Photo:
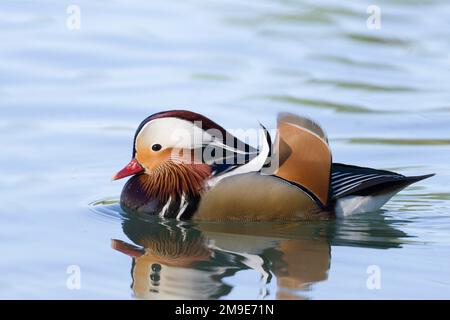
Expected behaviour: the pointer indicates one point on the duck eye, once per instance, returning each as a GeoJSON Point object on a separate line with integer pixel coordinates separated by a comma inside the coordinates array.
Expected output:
{"type": "Point", "coordinates": [156, 147]}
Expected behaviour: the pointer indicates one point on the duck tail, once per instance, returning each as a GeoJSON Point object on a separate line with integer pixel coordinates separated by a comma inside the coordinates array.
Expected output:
{"type": "Point", "coordinates": [358, 189]}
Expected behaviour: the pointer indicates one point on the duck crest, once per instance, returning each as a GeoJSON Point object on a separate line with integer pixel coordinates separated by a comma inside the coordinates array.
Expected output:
{"type": "Point", "coordinates": [172, 190]}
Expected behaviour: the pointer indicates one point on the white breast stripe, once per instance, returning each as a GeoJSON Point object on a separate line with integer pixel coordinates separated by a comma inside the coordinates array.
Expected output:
{"type": "Point", "coordinates": [183, 206]}
{"type": "Point", "coordinates": [165, 208]}
{"type": "Point", "coordinates": [220, 144]}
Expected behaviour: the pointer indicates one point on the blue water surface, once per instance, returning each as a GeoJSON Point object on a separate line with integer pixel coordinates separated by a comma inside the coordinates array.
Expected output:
{"type": "Point", "coordinates": [70, 100]}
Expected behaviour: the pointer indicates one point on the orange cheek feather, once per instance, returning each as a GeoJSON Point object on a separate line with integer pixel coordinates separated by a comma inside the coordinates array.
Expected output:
{"type": "Point", "coordinates": [151, 159]}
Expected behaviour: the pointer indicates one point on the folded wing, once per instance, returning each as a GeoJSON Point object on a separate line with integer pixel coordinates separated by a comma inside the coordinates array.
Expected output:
{"type": "Point", "coordinates": [303, 154]}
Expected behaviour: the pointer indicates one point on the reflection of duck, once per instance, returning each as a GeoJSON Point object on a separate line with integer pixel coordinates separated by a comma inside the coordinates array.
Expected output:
{"type": "Point", "coordinates": [174, 259]}
{"type": "Point", "coordinates": [186, 165]}
{"type": "Point", "coordinates": [168, 263]}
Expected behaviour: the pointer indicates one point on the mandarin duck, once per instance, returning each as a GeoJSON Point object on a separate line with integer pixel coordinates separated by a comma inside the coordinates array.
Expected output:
{"type": "Point", "coordinates": [186, 166]}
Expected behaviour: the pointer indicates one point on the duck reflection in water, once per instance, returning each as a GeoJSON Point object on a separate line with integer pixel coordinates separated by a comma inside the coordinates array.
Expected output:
{"type": "Point", "coordinates": [181, 260]}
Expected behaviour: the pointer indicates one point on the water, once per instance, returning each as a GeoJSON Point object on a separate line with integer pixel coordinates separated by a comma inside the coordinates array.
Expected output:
{"type": "Point", "coordinates": [70, 101]}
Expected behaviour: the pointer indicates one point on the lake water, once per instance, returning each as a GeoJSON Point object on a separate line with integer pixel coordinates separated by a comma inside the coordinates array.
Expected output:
{"type": "Point", "coordinates": [70, 101]}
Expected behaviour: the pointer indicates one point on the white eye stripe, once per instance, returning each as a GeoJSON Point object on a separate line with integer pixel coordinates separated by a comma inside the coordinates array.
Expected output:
{"type": "Point", "coordinates": [179, 133]}
{"type": "Point", "coordinates": [221, 145]}
{"type": "Point", "coordinates": [170, 133]}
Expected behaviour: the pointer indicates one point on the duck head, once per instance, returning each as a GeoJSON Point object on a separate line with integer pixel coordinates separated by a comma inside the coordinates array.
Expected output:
{"type": "Point", "coordinates": [175, 155]}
